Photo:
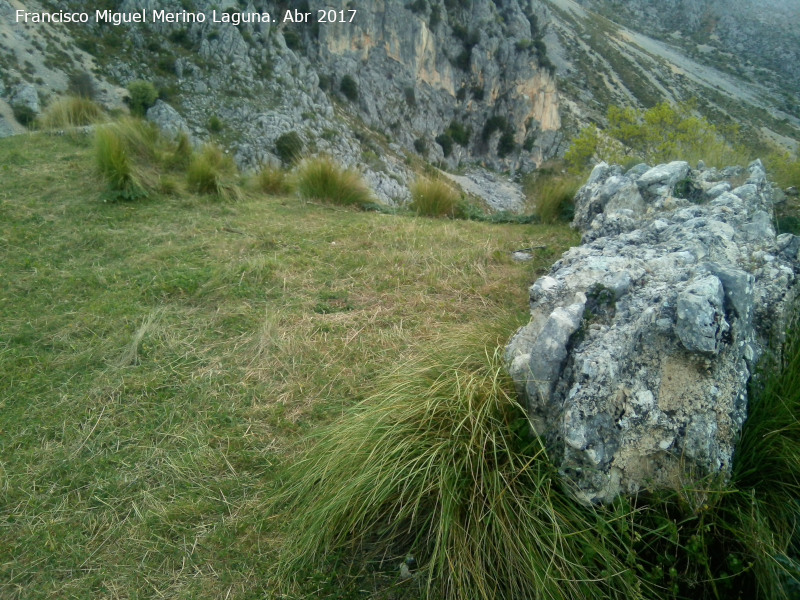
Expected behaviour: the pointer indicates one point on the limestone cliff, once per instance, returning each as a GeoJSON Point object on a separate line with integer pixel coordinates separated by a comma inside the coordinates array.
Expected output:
{"type": "Point", "coordinates": [450, 82]}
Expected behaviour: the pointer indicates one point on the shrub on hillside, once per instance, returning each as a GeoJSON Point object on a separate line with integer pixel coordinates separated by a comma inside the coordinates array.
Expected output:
{"type": "Point", "coordinates": [289, 147]}
{"type": "Point", "coordinates": [446, 143]}
{"type": "Point", "coordinates": [660, 134]}
{"type": "Point", "coordinates": [434, 198]}
{"type": "Point", "coordinates": [349, 88]}
{"type": "Point", "coordinates": [141, 96]}
{"type": "Point", "coordinates": [214, 124]}
{"type": "Point", "coordinates": [24, 115]}
{"type": "Point", "coordinates": [785, 168]}
{"type": "Point", "coordinates": [581, 151]}
{"type": "Point", "coordinates": [322, 179]}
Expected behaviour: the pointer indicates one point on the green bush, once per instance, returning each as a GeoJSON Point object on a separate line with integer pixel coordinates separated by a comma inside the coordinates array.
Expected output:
{"type": "Point", "coordinates": [439, 463]}
{"type": "Point", "coordinates": [214, 124]}
{"type": "Point", "coordinates": [784, 168]}
{"type": "Point", "coordinates": [434, 198]}
{"type": "Point", "coordinates": [349, 88]}
{"type": "Point", "coordinates": [141, 96]}
{"type": "Point", "coordinates": [660, 134]}
{"type": "Point", "coordinates": [24, 114]}
{"type": "Point", "coordinates": [668, 132]}
{"type": "Point", "coordinates": [289, 147]}
{"type": "Point", "coordinates": [322, 179]}
{"type": "Point", "coordinates": [211, 172]}
{"type": "Point", "coordinates": [73, 111]}
{"type": "Point", "coordinates": [446, 142]}
{"type": "Point", "coordinates": [582, 149]}
{"type": "Point", "coordinates": [410, 95]}
{"type": "Point", "coordinates": [81, 84]}
{"type": "Point", "coordinates": [492, 124]}
{"type": "Point", "coordinates": [506, 144]}
{"type": "Point", "coordinates": [459, 133]}
{"type": "Point", "coordinates": [292, 39]}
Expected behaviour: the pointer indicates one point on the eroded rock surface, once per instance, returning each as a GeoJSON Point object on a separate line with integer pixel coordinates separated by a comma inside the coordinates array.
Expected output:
{"type": "Point", "coordinates": [635, 363]}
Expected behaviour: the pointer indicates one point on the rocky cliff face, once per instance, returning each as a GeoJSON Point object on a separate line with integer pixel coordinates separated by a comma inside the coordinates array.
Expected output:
{"type": "Point", "coordinates": [450, 82]}
{"type": "Point", "coordinates": [434, 72]}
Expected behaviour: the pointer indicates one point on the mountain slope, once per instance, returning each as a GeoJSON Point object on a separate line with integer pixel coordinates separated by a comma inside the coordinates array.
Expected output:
{"type": "Point", "coordinates": [601, 62]}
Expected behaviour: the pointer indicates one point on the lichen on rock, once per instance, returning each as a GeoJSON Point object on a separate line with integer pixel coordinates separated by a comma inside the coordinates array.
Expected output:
{"type": "Point", "coordinates": [635, 364]}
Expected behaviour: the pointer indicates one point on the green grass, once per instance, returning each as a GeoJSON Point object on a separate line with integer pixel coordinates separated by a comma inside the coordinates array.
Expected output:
{"type": "Point", "coordinates": [115, 166]}
{"type": "Point", "coordinates": [212, 172]}
{"type": "Point", "coordinates": [438, 463]}
{"type": "Point", "coordinates": [177, 370]}
{"type": "Point", "coordinates": [322, 179]}
{"type": "Point", "coordinates": [163, 360]}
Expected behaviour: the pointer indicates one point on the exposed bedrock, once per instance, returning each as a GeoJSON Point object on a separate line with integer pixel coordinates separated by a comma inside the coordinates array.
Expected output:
{"type": "Point", "coordinates": [634, 366]}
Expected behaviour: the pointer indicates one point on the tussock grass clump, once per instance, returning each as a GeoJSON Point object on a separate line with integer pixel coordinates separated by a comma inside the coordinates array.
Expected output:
{"type": "Point", "coordinates": [135, 159]}
{"type": "Point", "coordinates": [73, 111]}
{"type": "Point", "coordinates": [439, 463]}
{"type": "Point", "coordinates": [142, 140]}
{"type": "Point", "coordinates": [550, 195]}
{"type": "Point", "coordinates": [434, 198]}
{"type": "Point", "coordinates": [273, 181]}
{"type": "Point", "coordinates": [182, 152]}
{"type": "Point", "coordinates": [322, 179]}
{"type": "Point", "coordinates": [211, 172]}
{"type": "Point", "coordinates": [115, 165]}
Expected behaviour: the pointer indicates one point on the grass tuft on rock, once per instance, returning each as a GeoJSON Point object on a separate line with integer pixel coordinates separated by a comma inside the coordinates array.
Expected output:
{"type": "Point", "coordinates": [322, 179]}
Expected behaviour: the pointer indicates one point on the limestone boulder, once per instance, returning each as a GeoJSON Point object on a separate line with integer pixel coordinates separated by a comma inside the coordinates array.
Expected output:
{"type": "Point", "coordinates": [642, 340]}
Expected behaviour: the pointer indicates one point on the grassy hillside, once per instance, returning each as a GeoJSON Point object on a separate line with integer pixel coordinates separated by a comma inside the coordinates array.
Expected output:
{"type": "Point", "coordinates": [162, 360]}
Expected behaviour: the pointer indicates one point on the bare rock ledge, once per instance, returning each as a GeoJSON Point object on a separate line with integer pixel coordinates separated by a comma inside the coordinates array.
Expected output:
{"type": "Point", "coordinates": [634, 366]}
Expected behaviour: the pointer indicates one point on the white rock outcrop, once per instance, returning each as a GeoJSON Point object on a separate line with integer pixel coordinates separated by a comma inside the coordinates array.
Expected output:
{"type": "Point", "coordinates": [642, 340]}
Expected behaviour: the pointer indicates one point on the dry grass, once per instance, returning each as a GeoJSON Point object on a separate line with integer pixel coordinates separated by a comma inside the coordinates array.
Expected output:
{"type": "Point", "coordinates": [434, 198]}
{"type": "Point", "coordinates": [320, 178]}
{"type": "Point", "coordinates": [70, 112]}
